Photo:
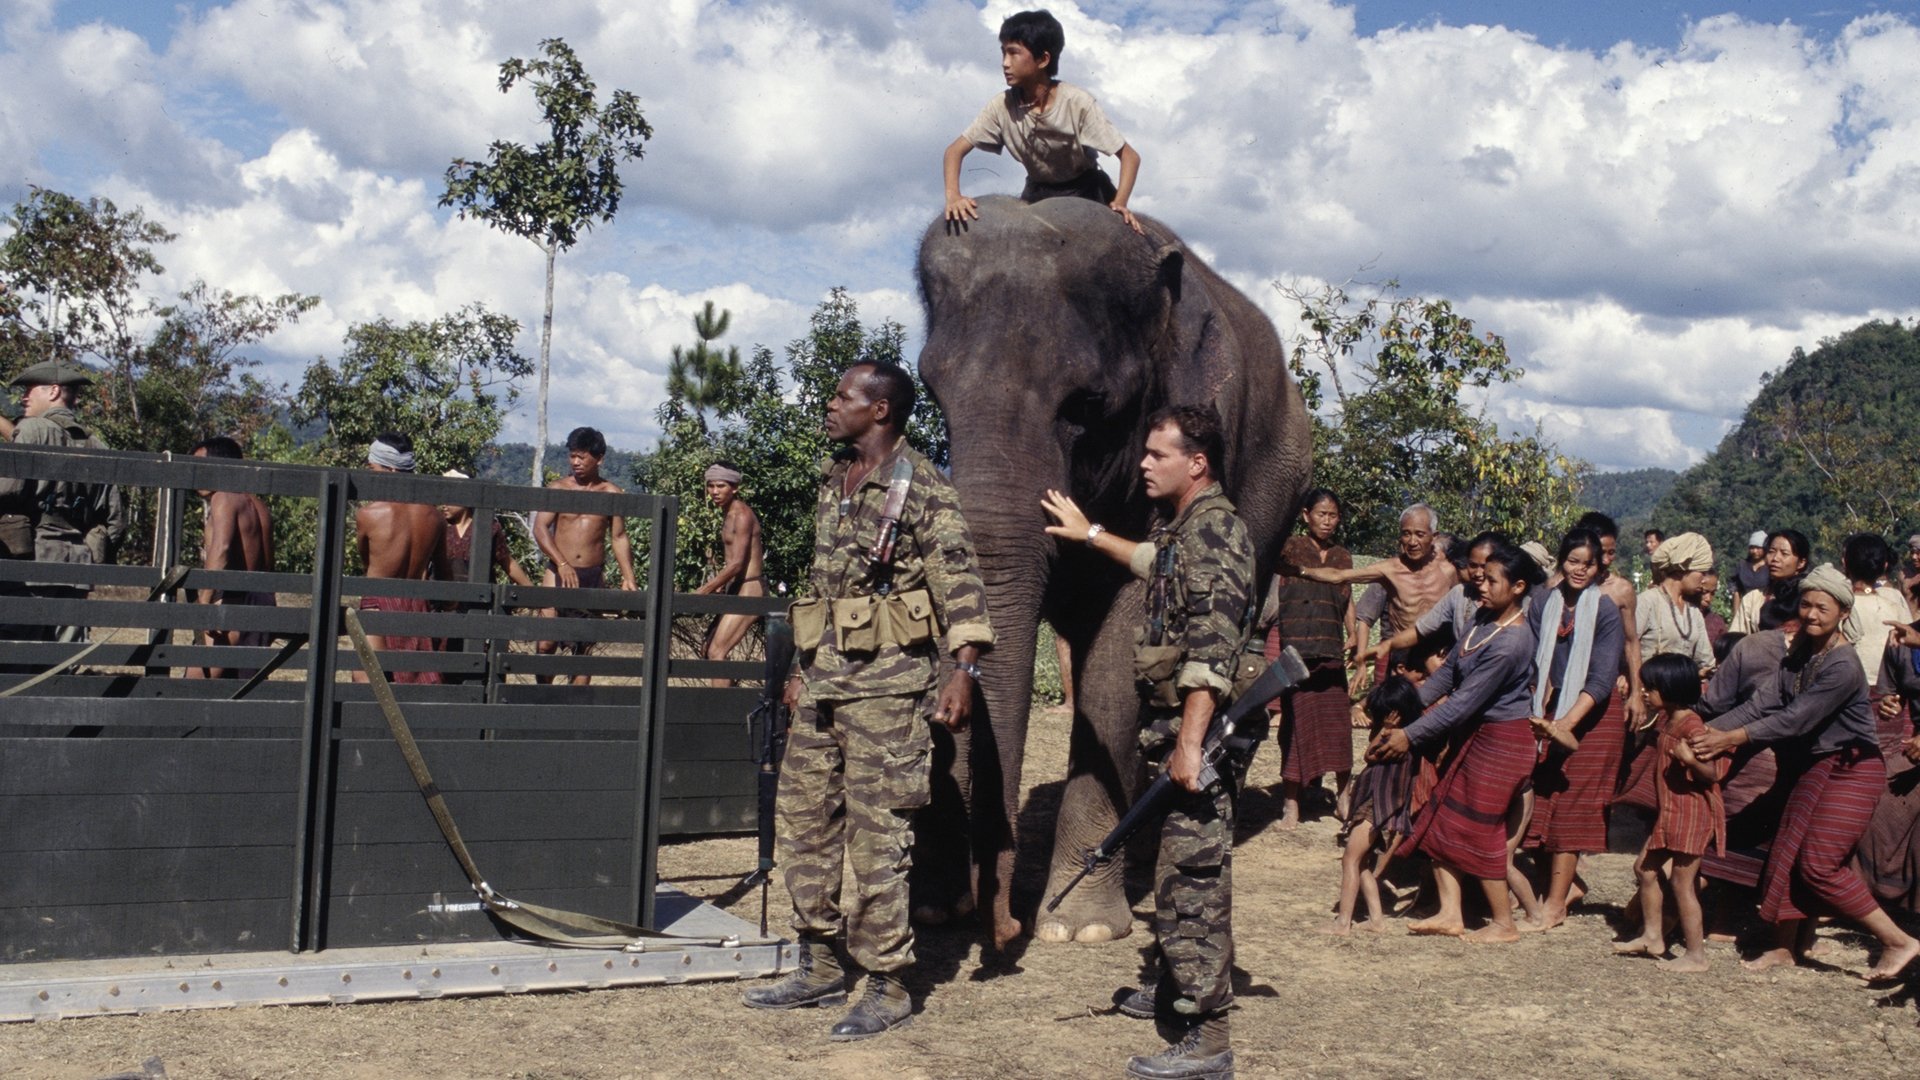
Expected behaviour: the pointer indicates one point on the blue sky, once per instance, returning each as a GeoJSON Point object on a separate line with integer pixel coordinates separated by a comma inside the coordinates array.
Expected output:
{"type": "Point", "coordinates": [1654, 203]}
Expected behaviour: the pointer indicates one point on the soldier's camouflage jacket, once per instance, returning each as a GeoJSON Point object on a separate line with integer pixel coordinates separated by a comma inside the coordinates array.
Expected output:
{"type": "Point", "coordinates": [1213, 562]}
{"type": "Point", "coordinates": [933, 561]}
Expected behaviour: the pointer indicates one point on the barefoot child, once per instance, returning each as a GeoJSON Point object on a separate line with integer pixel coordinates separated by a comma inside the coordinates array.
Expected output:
{"type": "Point", "coordinates": [1692, 817]}
{"type": "Point", "coordinates": [1055, 129]}
{"type": "Point", "coordinates": [1379, 816]}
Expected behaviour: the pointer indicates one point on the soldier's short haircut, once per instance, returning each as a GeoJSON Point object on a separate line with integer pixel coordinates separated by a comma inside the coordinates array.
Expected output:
{"type": "Point", "coordinates": [588, 440]}
{"type": "Point", "coordinates": [891, 383]}
{"type": "Point", "coordinates": [220, 446]}
{"type": "Point", "coordinates": [1199, 428]}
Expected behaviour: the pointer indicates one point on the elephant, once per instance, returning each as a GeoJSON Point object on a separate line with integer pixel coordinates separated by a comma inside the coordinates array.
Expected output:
{"type": "Point", "coordinates": [1052, 332]}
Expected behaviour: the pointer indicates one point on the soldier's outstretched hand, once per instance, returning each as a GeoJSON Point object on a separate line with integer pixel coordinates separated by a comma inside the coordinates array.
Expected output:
{"type": "Point", "coordinates": [1072, 525]}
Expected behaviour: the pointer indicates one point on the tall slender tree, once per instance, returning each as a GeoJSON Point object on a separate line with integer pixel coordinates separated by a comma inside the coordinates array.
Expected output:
{"type": "Point", "coordinates": [703, 377]}
{"type": "Point", "coordinates": [549, 193]}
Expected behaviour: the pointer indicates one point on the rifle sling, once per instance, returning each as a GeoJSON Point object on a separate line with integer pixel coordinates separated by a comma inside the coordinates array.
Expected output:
{"type": "Point", "coordinates": [168, 582]}
{"type": "Point", "coordinates": [551, 925]}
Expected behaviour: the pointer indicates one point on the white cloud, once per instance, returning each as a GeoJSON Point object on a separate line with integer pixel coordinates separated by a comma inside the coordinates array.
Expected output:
{"type": "Point", "coordinates": [1619, 216]}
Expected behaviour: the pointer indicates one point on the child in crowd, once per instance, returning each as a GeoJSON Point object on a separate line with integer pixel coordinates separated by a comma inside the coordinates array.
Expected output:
{"type": "Point", "coordinates": [1055, 129]}
{"type": "Point", "coordinates": [1378, 819]}
{"type": "Point", "coordinates": [1692, 816]}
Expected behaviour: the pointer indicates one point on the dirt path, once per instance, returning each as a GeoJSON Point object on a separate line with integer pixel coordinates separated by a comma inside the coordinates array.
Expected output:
{"type": "Point", "coordinates": [1554, 1005]}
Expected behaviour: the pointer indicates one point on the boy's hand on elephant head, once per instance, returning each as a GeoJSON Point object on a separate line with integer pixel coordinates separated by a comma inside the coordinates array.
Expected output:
{"type": "Point", "coordinates": [1126, 215]}
{"type": "Point", "coordinates": [1072, 525]}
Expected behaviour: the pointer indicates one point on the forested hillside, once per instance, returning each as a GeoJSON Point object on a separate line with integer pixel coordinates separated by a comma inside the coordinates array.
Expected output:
{"type": "Point", "coordinates": [1828, 446]}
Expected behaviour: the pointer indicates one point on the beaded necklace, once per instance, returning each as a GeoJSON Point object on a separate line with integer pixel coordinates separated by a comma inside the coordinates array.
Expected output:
{"type": "Point", "coordinates": [1468, 645]}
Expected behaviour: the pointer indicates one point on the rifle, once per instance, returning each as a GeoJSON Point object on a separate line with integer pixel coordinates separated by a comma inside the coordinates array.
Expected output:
{"type": "Point", "coordinates": [880, 559]}
{"type": "Point", "coordinates": [1281, 676]}
{"type": "Point", "coordinates": [767, 728]}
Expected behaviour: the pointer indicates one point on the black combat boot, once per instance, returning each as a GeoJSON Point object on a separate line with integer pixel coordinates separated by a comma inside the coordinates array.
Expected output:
{"type": "Point", "coordinates": [884, 1006]}
{"type": "Point", "coordinates": [1204, 1054]}
{"type": "Point", "coordinates": [819, 980]}
{"type": "Point", "coordinates": [1138, 1002]}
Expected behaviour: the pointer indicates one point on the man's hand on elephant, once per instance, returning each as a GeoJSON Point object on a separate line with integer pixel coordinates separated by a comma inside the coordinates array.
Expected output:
{"type": "Point", "coordinates": [961, 208]}
{"type": "Point", "coordinates": [1126, 215]}
{"type": "Point", "coordinates": [956, 702]}
{"type": "Point", "coordinates": [1073, 524]}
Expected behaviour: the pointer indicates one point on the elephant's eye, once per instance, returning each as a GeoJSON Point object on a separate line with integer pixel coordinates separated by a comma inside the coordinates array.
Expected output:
{"type": "Point", "coordinates": [1084, 408]}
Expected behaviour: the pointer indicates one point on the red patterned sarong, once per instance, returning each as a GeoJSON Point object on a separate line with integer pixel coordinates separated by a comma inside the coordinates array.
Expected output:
{"type": "Point", "coordinates": [1808, 867]}
{"type": "Point", "coordinates": [1692, 818]}
{"type": "Point", "coordinates": [402, 642]}
{"type": "Point", "coordinates": [1571, 791]}
{"type": "Point", "coordinates": [1316, 732]}
{"type": "Point", "coordinates": [1465, 824]}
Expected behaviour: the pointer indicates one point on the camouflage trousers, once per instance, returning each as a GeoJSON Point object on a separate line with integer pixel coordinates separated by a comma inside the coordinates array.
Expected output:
{"type": "Point", "coordinates": [1193, 900]}
{"type": "Point", "coordinates": [853, 774]}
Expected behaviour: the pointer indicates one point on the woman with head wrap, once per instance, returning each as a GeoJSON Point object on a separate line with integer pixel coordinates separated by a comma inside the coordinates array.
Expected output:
{"type": "Point", "coordinates": [1670, 617]}
{"type": "Point", "coordinates": [1815, 711]}
{"type": "Point", "coordinates": [1788, 556]}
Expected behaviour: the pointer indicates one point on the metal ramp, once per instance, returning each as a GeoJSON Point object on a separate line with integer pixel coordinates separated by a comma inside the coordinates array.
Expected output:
{"type": "Point", "coordinates": [59, 989]}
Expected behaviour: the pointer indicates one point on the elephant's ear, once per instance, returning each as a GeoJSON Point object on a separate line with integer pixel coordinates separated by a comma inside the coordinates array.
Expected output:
{"type": "Point", "coordinates": [1169, 266]}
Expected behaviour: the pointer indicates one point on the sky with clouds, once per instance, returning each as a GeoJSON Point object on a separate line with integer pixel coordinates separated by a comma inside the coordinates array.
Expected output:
{"type": "Point", "coordinates": [1653, 202]}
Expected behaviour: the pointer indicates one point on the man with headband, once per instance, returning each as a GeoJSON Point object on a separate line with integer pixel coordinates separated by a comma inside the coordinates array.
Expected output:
{"type": "Point", "coordinates": [741, 560]}
{"type": "Point", "coordinates": [397, 540]}
{"type": "Point", "coordinates": [576, 544]}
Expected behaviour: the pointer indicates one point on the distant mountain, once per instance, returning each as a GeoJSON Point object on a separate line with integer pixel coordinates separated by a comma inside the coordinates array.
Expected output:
{"type": "Point", "coordinates": [1629, 497]}
{"type": "Point", "coordinates": [509, 463]}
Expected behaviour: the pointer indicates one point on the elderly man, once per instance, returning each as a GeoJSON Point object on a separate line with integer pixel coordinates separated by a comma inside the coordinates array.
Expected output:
{"type": "Point", "coordinates": [1415, 579]}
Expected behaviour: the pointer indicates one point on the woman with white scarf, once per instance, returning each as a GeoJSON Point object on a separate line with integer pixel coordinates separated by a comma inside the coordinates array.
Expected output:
{"type": "Point", "coordinates": [1580, 641]}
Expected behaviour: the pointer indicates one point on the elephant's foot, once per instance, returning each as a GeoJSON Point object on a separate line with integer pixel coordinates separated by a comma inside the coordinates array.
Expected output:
{"type": "Point", "coordinates": [1092, 913]}
{"type": "Point", "coordinates": [936, 914]}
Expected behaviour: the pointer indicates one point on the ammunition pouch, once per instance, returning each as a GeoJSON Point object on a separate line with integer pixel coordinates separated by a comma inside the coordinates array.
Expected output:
{"type": "Point", "coordinates": [809, 620]}
{"type": "Point", "coordinates": [1153, 669]}
{"type": "Point", "coordinates": [861, 624]}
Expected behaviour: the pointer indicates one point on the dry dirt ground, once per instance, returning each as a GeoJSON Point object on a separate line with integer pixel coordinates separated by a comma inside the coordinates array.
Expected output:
{"type": "Point", "coordinates": [1310, 1005]}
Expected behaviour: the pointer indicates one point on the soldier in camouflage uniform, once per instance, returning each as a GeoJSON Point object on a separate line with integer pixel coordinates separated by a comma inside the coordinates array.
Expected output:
{"type": "Point", "coordinates": [1199, 571]}
{"type": "Point", "coordinates": [869, 639]}
{"type": "Point", "coordinates": [54, 521]}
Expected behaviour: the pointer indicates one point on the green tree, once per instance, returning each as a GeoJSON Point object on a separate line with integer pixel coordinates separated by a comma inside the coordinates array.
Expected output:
{"type": "Point", "coordinates": [1826, 446]}
{"type": "Point", "coordinates": [447, 384]}
{"type": "Point", "coordinates": [550, 192]}
{"type": "Point", "coordinates": [771, 429]}
{"type": "Point", "coordinates": [1401, 432]}
{"type": "Point", "coordinates": [703, 377]}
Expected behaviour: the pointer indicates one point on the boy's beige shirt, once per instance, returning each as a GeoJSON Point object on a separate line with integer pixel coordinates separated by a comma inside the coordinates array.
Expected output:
{"type": "Point", "coordinates": [1055, 145]}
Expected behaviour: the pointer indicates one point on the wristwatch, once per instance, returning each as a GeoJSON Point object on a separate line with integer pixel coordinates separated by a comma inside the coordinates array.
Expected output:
{"type": "Point", "coordinates": [972, 670]}
{"type": "Point", "coordinates": [1093, 533]}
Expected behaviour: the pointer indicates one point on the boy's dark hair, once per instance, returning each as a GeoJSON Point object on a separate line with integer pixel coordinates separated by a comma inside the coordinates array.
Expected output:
{"type": "Point", "coordinates": [1199, 428]}
{"type": "Point", "coordinates": [1867, 556]}
{"type": "Point", "coordinates": [1395, 696]}
{"type": "Point", "coordinates": [890, 382]}
{"type": "Point", "coordinates": [1039, 33]}
{"type": "Point", "coordinates": [588, 440]}
{"type": "Point", "coordinates": [1656, 534]}
{"type": "Point", "coordinates": [1674, 677]}
{"type": "Point", "coordinates": [400, 441]}
{"type": "Point", "coordinates": [220, 446]}
{"type": "Point", "coordinates": [1600, 524]}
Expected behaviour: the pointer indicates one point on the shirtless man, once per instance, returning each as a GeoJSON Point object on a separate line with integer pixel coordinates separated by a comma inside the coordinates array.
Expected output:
{"type": "Point", "coordinates": [397, 540]}
{"type": "Point", "coordinates": [239, 536]}
{"type": "Point", "coordinates": [1621, 592]}
{"type": "Point", "coordinates": [576, 544]}
{"type": "Point", "coordinates": [1415, 579]}
{"type": "Point", "coordinates": [742, 571]}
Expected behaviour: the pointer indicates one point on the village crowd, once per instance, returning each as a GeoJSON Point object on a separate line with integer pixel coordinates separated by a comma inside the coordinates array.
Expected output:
{"type": "Point", "coordinates": [1527, 704]}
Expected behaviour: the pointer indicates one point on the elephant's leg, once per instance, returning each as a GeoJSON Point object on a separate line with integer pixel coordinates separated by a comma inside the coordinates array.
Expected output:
{"type": "Point", "coordinates": [999, 738]}
{"type": "Point", "coordinates": [1103, 776]}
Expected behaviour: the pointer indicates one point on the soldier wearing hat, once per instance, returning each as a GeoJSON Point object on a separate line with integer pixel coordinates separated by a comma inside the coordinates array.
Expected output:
{"type": "Point", "coordinates": [57, 521]}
